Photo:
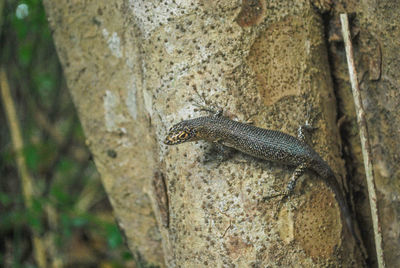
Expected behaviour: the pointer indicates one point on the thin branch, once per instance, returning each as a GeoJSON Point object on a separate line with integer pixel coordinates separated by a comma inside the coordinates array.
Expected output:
{"type": "Point", "coordinates": [26, 179]}
{"type": "Point", "coordinates": [52, 218]}
{"type": "Point", "coordinates": [42, 120]}
{"type": "Point", "coordinates": [365, 146]}
{"type": "Point", "coordinates": [89, 196]}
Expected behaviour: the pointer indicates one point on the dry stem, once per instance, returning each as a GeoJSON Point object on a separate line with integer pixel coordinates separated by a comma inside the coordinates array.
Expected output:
{"type": "Point", "coordinates": [365, 146]}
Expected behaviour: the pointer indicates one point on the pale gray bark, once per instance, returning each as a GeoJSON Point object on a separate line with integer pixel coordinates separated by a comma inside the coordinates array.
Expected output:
{"type": "Point", "coordinates": [134, 68]}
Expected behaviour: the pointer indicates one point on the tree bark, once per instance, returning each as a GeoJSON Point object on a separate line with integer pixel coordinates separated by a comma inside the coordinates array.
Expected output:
{"type": "Point", "coordinates": [136, 67]}
{"type": "Point", "coordinates": [376, 43]}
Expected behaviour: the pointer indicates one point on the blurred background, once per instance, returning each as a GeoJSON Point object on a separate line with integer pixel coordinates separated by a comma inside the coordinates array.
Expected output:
{"type": "Point", "coordinates": [53, 209]}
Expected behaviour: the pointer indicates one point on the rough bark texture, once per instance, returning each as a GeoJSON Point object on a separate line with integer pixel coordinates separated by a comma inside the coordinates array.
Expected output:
{"type": "Point", "coordinates": [98, 45]}
{"type": "Point", "coordinates": [134, 68]}
{"type": "Point", "coordinates": [376, 42]}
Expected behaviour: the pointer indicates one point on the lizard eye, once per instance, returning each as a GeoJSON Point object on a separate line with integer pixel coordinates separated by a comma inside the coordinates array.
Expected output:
{"type": "Point", "coordinates": [183, 135]}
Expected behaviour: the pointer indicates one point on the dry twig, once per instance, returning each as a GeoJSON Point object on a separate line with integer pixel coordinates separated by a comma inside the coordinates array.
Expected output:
{"type": "Point", "coordinates": [365, 146]}
{"type": "Point", "coordinates": [18, 145]}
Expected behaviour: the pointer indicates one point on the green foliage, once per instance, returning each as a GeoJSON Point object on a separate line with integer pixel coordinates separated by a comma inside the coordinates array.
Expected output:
{"type": "Point", "coordinates": [114, 237]}
{"type": "Point", "coordinates": [45, 83]}
{"type": "Point", "coordinates": [25, 52]}
{"type": "Point", "coordinates": [55, 155]}
{"type": "Point", "coordinates": [31, 157]}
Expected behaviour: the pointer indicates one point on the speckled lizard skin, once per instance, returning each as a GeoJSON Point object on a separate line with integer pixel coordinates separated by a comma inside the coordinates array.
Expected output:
{"type": "Point", "coordinates": [262, 143]}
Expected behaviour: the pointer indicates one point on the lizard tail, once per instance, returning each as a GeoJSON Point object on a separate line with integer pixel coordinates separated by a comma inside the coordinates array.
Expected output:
{"type": "Point", "coordinates": [343, 205]}
{"type": "Point", "coordinates": [323, 169]}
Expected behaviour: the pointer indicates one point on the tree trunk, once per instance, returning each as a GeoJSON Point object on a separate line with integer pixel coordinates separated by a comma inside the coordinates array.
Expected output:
{"type": "Point", "coordinates": [136, 67]}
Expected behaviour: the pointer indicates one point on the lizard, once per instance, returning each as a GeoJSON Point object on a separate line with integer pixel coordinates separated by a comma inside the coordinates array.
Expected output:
{"type": "Point", "coordinates": [266, 144]}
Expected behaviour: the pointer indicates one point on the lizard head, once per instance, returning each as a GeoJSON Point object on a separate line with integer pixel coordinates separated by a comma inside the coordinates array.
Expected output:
{"type": "Point", "coordinates": [181, 132]}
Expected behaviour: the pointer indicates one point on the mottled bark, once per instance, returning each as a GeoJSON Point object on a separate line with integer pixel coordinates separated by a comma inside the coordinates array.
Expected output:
{"type": "Point", "coordinates": [376, 36]}
{"type": "Point", "coordinates": [136, 67]}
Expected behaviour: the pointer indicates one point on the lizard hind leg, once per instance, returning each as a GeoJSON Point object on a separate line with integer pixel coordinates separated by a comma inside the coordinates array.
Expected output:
{"type": "Point", "coordinates": [292, 183]}
{"type": "Point", "coordinates": [303, 132]}
{"type": "Point", "coordinates": [296, 175]}
{"type": "Point", "coordinates": [290, 186]}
